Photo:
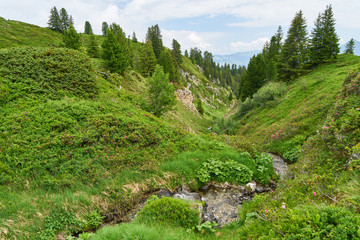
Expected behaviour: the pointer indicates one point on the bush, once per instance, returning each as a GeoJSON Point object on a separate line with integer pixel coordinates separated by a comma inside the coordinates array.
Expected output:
{"type": "Point", "coordinates": [48, 71]}
{"type": "Point", "coordinates": [264, 168]}
{"type": "Point", "coordinates": [166, 210]}
{"type": "Point", "coordinates": [323, 223]}
{"type": "Point", "coordinates": [262, 97]}
{"type": "Point", "coordinates": [230, 171]}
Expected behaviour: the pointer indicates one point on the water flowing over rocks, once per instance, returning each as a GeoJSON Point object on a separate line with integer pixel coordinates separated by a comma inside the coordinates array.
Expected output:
{"type": "Point", "coordinates": [221, 200]}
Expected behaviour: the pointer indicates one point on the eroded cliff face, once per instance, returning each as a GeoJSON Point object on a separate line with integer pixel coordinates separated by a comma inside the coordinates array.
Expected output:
{"type": "Point", "coordinates": [187, 98]}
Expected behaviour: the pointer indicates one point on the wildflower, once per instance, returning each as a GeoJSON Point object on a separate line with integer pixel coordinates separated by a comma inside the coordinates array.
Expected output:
{"type": "Point", "coordinates": [358, 109]}
{"type": "Point", "coordinates": [314, 193]}
{"type": "Point", "coordinates": [266, 210]}
{"type": "Point", "coordinates": [283, 206]}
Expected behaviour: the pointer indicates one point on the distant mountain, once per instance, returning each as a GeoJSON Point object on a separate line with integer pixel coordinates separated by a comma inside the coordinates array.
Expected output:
{"type": "Point", "coordinates": [356, 50]}
{"type": "Point", "coordinates": [240, 58]}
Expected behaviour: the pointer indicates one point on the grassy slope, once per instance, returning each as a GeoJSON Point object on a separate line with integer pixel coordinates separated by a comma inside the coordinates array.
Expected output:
{"type": "Point", "coordinates": [86, 173]}
{"type": "Point", "coordinates": [301, 111]}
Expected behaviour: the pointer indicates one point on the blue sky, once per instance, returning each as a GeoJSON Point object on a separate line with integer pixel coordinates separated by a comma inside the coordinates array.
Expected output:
{"type": "Point", "coordinates": [219, 26]}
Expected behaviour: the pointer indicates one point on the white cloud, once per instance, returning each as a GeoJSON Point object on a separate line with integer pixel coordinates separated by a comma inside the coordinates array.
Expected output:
{"type": "Point", "coordinates": [240, 46]}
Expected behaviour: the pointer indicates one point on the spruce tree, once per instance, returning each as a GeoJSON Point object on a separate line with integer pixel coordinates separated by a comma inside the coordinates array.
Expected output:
{"type": "Point", "coordinates": [92, 47]}
{"type": "Point", "coordinates": [199, 107]}
{"type": "Point", "coordinates": [324, 42]}
{"type": "Point", "coordinates": [167, 62]}
{"type": "Point", "coordinates": [295, 53]}
{"type": "Point", "coordinates": [116, 53]}
{"type": "Point", "coordinates": [54, 22]}
{"type": "Point", "coordinates": [154, 36]}
{"type": "Point", "coordinates": [64, 20]}
{"type": "Point", "coordinates": [176, 51]}
{"type": "Point", "coordinates": [104, 28]}
{"type": "Point", "coordinates": [71, 20]}
{"type": "Point", "coordinates": [72, 39]}
{"type": "Point", "coordinates": [161, 92]}
{"type": "Point", "coordinates": [134, 39]}
{"type": "Point", "coordinates": [186, 54]}
{"type": "Point", "coordinates": [88, 28]}
{"type": "Point", "coordinates": [147, 60]}
{"type": "Point", "coordinates": [350, 46]}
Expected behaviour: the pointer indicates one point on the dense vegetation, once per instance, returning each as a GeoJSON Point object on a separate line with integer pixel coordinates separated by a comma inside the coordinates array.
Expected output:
{"type": "Point", "coordinates": [81, 140]}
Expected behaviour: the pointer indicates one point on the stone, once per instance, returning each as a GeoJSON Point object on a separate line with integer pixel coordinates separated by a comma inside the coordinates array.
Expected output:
{"type": "Point", "coordinates": [251, 186]}
{"type": "Point", "coordinates": [165, 193]}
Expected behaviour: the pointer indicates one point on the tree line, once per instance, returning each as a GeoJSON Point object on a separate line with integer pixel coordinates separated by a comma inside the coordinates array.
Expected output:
{"type": "Point", "coordinates": [296, 55]}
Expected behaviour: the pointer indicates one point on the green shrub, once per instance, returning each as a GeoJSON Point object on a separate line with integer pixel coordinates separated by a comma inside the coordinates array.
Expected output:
{"type": "Point", "coordinates": [221, 171]}
{"type": "Point", "coordinates": [264, 168]}
{"type": "Point", "coordinates": [166, 210]}
{"type": "Point", "coordinates": [320, 223]}
{"type": "Point", "coordinates": [262, 97]}
{"type": "Point", "coordinates": [54, 71]}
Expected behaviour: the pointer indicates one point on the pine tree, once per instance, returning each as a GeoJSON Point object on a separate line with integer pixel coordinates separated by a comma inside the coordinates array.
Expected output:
{"type": "Point", "coordinates": [147, 60]}
{"type": "Point", "coordinates": [104, 28]}
{"type": "Point", "coordinates": [350, 46]}
{"type": "Point", "coordinates": [295, 53]}
{"type": "Point", "coordinates": [64, 20]}
{"type": "Point", "coordinates": [88, 28]}
{"type": "Point", "coordinates": [176, 51]}
{"type": "Point", "coordinates": [116, 53]}
{"type": "Point", "coordinates": [161, 92]}
{"type": "Point", "coordinates": [72, 39]}
{"type": "Point", "coordinates": [154, 36]}
{"type": "Point", "coordinates": [92, 47]}
{"type": "Point", "coordinates": [134, 39]}
{"type": "Point", "coordinates": [256, 75]}
{"type": "Point", "coordinates": [54, 20]}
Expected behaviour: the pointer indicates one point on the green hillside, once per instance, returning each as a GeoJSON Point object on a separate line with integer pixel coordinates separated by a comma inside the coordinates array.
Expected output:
{"type": "Point", "coordinates": [78, 148]}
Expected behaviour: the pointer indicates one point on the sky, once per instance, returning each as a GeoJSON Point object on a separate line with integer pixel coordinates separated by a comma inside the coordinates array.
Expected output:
{"type": "Point", "coordinates": [219, 26]}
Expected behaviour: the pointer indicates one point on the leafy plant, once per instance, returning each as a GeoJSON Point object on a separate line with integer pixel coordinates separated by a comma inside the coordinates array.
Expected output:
{"type": "Point", "coordinates": [207, 227]}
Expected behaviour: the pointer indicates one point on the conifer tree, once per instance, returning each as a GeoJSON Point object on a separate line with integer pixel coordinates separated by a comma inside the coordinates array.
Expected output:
{"type": "Point", "coordinates": [186, 53]}
{"type": "Point", "coordinates": [54, 22]}
{"type": "Point", "coordinates": [255, 76]}
{"type": "Point", "coordinates": [295, 53]}
{"type": "Point", "coordinates": [147, 60]}
{"type": "Point", "coordinates": [116, 53]}
{"type": "Point", "coordinates": [350, 46]}
{"type": "Point", "coordinates": [324, 42]}
{"type": "Point", "coordinates": [72, 39]}
{"type": "Point", "coordinates": [104, 28]}
{"type": "Point", "coordinates": [176, 51]}
{"type": "Point", "coordinates": [88, 28]}
{"type": "Point", "coordinates": [92, 47]}
{"type": "Point", "coordinates": [71, 20]}
{"type": "Point", "coordinates": [134, 39]}
{"type": "Point", "coordinates": [167, 62]}
{"type": "Point", "coordinates": [161, 92]}
{"type": "Point", "coordinates": [154, 36]}
{"type": "Point", "coordinates": [64, 19]}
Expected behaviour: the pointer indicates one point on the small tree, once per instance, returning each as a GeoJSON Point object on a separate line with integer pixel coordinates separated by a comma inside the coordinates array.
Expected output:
{"type": "Point", "coordinates": [176, 51]}
{"type": "Point", "coordinates": [147, 60]}
{"type": "Point", "coordinates": [161, 92]}
{"type": "Point", "coordinates": [199, 107]}
{"type": "Point", "coordinates": [350, 46]}
{"type": "Point", "coordinates": [88, 28]}
{"type": "Point", "coordinates": [104, 28]}
{"type": "Point", "coordinates": [134, 39]}
{"type": "Point", "coordinates": [72, 39]}
{"type": "Point", "coordinates": [92, 47]}
{"type": "Point", "coordinates": [115, 50]}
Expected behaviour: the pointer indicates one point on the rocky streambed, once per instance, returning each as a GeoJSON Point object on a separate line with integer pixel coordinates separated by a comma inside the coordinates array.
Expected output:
{"type": "Point", "coordinates": [221, 200]}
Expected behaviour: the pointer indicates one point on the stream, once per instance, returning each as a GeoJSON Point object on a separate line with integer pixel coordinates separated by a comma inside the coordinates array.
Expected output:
{"type": "Point", "coordinates": [222, 200]}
